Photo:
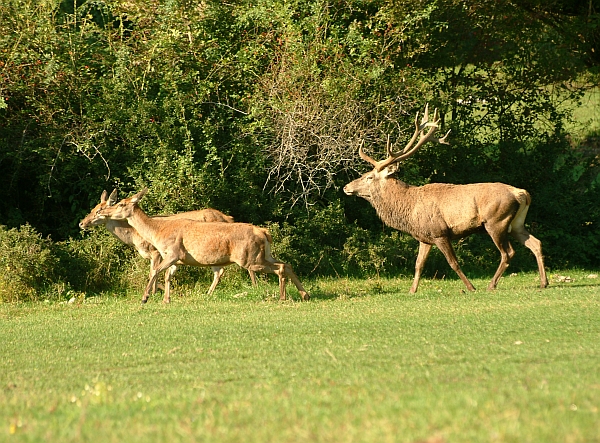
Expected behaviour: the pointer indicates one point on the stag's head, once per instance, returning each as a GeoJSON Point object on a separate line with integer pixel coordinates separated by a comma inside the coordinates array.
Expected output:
{"type": "Point", "coordinates": [365, 185]}
{"type": "Point", "coordinates": [124, 209]}
{"type": "Point", "coordinates": [93, 219]}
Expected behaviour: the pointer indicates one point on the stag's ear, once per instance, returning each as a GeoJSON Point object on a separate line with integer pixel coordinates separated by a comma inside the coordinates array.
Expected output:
{"type": "Point", "coordinates": [113, 198]}
{"type": "Point", "coordinates": [137, 197]}
{"type": "Point", "coordinates": [103, 196]}
{"type": "Point", "coordinates": [390, 170]}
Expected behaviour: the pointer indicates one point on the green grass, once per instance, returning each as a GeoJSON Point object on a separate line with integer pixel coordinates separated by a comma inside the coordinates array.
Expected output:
{"type": "Point", "coordinates": [586, 117]}
{"type": "Point", "coordinates": [361, 362]}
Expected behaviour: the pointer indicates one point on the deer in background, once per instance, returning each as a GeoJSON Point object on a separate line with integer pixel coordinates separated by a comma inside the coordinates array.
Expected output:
{"type": "Point", "coordinates": [128, 235]}
{"type": "Point", "coordinates": [195, 243]}
{"type": "Point", "coordinates": [437, 213]}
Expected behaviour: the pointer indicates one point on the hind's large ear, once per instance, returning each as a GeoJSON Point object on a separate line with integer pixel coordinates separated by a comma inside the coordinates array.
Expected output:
{"type": "Point", "coordinates": [113, 198]}
{"type": "Point", "coordinates": [137, 197]}
{"type": "Point", "coordinates": [103, 196]}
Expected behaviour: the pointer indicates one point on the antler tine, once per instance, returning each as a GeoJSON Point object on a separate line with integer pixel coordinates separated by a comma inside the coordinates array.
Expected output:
{"type": "Point", "coordinates": [419, 128]}
{"type": "Point", "coordinates": [424, 137]}
{"type": "Point", "coordinates": [388, 146]}
{"type": "Point", "coordinates": [442, 140]}
{"type": "Point", "coordinates": [413, 139]}
{"type": "Point", "coordinates": [364, 156]}
{"type": "Point", "coordinates": [425, 118]}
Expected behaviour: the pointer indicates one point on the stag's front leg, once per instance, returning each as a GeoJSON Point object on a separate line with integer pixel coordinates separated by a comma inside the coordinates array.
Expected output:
{"type": "Point", "coordinates": [252, 277]}
{"type": "Point", "coordinates": [446, 247]}
{"type": "Point", "coordinates": [424, 249]}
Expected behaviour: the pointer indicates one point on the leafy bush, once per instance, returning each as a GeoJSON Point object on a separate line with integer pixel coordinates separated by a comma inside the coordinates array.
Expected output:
{"type": "Point", "coordinates": [98, 262]}
{"type": "Point", "coordinates": [388, 253]}
{"type": "Point", "coordinates": [28, 262]}
{"type": "Point", "coordinates": [313, 243]}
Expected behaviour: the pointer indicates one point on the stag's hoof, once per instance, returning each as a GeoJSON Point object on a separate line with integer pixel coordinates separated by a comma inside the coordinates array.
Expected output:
{"type": "Point", "coordinates": [305, 297]}
{"type": "Point", "coordinates": [144, 301]}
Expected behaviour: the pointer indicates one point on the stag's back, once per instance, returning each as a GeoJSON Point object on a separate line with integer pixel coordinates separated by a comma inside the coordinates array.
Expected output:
{"type": "Point", "coordinates": [440, 209]}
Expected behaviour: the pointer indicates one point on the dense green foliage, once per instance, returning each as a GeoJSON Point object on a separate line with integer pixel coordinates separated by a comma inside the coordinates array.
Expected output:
{"type": "Point", "coordinates": [257, 109]}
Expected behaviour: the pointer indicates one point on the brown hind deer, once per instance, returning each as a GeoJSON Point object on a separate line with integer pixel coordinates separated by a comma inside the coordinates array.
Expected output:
{"type": "Point", "coordinates": [437, 213]}
{"type": "Point", "coordinates": [124, 232]}
{"type": "Point", "coordinates": [195, 243]}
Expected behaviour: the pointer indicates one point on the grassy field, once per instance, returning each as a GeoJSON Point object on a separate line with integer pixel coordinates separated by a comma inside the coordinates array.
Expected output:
{"type": "Point", "coordinates": [363, 361]}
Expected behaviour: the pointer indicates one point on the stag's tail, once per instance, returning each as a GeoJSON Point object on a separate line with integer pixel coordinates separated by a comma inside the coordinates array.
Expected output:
{"type": "Point", "coordinates": [524, 199]}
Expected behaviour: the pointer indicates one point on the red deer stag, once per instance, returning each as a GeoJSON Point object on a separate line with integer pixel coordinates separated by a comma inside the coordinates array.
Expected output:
{"type": "Point", "coordinates": [195, 243]}
{"type": "Point", "coordinates": [437, 213]}
{"type": "Point", "coordinates": [124, 232]}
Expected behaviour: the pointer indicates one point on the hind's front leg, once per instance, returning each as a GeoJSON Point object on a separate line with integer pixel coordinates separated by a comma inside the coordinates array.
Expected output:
{"type": "Point", "coordinates": [166, 263]}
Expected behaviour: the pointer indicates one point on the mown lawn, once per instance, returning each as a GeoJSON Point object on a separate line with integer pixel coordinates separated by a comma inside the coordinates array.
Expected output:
{"type": "Point", "coordinates": [363, 361]}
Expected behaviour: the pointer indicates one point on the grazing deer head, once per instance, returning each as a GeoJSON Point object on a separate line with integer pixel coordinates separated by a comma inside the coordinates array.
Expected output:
{"type": "Point", "coordinates": [92, 218]}
{"type": "Point", "coordinates": [437, 213]}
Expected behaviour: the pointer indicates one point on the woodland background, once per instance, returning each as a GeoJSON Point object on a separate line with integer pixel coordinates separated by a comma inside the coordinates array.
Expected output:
{"type": "Point", "coordinates": [257, 108]}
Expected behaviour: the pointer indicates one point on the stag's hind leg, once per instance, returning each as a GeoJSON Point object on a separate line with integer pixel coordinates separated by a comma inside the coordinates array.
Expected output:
{"type": "Point", "coordinates": [519, 232]}
{"type": "Point", "coordinates": [500, 238]}
{"type": "Point", "coordinates": [535, 246]}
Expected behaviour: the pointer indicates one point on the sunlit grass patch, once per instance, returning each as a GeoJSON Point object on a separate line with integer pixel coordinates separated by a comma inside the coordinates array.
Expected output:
{"type": "Point", "coordinates": [362, 361]}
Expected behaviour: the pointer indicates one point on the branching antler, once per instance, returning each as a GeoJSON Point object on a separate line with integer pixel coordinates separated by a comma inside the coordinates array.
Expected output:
{"type": "Point", "coordinates": [409, 149]}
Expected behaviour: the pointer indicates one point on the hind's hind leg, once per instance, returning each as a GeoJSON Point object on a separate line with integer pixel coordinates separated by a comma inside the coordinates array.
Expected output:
{"type": "Point", "coordinates": [289, 272]}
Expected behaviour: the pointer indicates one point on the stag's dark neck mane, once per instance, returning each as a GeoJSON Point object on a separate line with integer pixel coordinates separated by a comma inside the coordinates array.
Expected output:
{"type": "Point", "coordinates": [393, 202]}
